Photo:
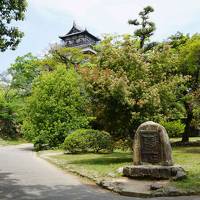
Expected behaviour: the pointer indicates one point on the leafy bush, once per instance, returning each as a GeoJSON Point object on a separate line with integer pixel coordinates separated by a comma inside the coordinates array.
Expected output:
{"type": "Point", "coordinates": [8, 127]}
{"type": "Point", "coordinates": [128, 87]}
{"type": "Point", "coordinates": [40, 143]}
{"type": "Point", "coordinates": [55, 107]}
{"type": "Point", "coordinates": [88, 140]}
{"type": "Point", "coordinates": [174, 128]}
{"type": "Point", "coordinates": [124, 145]}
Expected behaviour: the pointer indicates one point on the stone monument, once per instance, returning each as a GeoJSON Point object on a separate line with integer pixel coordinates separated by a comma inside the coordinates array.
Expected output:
{"type": "Point", "coordinates": [153, 154]}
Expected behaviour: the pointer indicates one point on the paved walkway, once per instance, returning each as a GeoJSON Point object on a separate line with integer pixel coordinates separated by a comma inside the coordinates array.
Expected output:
{"type": "Point", "coordinates": [24, 176]}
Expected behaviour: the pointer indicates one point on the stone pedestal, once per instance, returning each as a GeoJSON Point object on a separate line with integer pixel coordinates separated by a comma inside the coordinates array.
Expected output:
{"type": "Point", "coordinates": [152, 154]}
{"type": "Point", "coordinates": [154, 172]}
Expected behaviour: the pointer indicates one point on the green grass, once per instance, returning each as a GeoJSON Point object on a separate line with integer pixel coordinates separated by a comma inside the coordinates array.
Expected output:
{"type": "Point", "coordinates": [192, 139]}
{"type": "Point", "coordinates": [6, 142]}
{"type": "Point", "coordinates": [189, 159]}
{"type": "Point", "coordinates": [94, 166]}
{"type": "Point", "coordinates": [101, 166]}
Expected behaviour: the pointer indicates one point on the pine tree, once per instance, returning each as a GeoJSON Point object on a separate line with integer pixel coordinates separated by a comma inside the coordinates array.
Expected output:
{"type": "Point", "coordinates": [147, 27]}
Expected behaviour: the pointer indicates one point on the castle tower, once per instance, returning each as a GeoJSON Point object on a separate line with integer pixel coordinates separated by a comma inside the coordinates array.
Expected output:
{"type": "Point", "coordinates": [80, 38]}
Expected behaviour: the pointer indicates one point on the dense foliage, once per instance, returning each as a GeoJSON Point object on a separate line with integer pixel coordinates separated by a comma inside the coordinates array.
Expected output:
{"type": "Point", "coordinates": [23, 72]}
{"type": "Point", "coordinates": [88, 140]}
{"type": "Point", "coordinates": [11, 11]}
{"type": "Point", "coordinates": [129, 87]}
{"type": "Point", "coordinates": [56, 107]}
{"type": "Point", "coordinates": [129, 81]}
{"type": "Point", "coordinates": [174, 129]}
{"type": "Point", "coordinates": [119, 88]}
{"type": "Point", "coordinates": [189, 55]}
{"type": "Point", "coordinates": [8, 128]}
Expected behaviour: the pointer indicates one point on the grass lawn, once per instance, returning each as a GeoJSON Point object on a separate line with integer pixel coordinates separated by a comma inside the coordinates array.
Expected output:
{"type": "Point", "coordinates": [4, 142]}
{"type": "Point", "coordinates": [94, 166]}
{"type": "Point", "coordinates": [192, 139]}
{"type": "Point", "coordinates": [101, 166]}
{"type": "Point", "coordinates": [189, 158]}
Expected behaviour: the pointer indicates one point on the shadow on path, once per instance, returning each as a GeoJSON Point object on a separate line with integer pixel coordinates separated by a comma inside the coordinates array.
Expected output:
{"type": "Point", "coordinates": [26, 148]}
{"type": "Point", "coordinates": [10, 189]}
{"type": "Point", "coordinates": [23, 177]}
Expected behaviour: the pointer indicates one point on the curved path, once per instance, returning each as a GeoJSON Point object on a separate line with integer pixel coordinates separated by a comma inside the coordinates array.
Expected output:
{"type": "Point", "coordinates": [24, 176]}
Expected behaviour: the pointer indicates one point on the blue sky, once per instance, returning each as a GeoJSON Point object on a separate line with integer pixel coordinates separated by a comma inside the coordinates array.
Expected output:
{"type": "Point", "coordinates": [48, 19]}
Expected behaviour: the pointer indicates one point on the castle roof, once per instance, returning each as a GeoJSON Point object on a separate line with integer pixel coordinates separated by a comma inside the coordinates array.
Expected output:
{"type": "Point", "coordinates": [76, 30]}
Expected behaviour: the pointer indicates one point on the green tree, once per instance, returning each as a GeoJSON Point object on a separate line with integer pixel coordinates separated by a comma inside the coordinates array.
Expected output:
{"type": "Point", "coordinates": [8, 127]}
{"type": "Point", "coordinates": [23, 72]}
{"type": "Point", "coordinates": [164, 63]}
{"type": "Point", "coordinates": [109, 101]}
{"type": "Point", "coordinates": [70, 57]}
{"type": "Point", "coordinates": [10, 11]}
{"type": "Point", "coordinates": [178, 39]}
{"type": "Point", "coordinates": [55, 107]}
{"type": "Point", "coordinates": [146, 29]}
{"type": "Point", "coordinates": [121, 54]}
{"type": "Point", "coordinates": [190, 66]}
{"type": "Point", "coordinates": [129, 87]}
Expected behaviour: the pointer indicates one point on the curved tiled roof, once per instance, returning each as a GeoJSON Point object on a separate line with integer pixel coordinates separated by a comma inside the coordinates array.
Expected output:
{"type": "Point", "coordinates": [75, 30]}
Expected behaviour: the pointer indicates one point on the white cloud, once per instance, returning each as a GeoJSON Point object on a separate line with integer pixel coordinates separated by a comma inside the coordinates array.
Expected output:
{"type": "Point", "coordinates": [46, 19]}
{"type": "Point", "coordinates": [112, 15]}
{"type": "Point", "coordinates": [76, 8]}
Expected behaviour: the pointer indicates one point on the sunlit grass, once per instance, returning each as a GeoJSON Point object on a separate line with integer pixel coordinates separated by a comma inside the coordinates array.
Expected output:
{"type": "Point", "coordinates": [189, 159]}
{"type": "Point", "coordinates": [101, 166]}
{"type": "Point", "coordinates": [95, 166]}
{"type": "Point", "coordinates": [191, 139]}
{"type": "Point", "coordinates": [6, 142]}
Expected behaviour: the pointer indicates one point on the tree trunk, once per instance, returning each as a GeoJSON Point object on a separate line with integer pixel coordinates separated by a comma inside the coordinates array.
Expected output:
{"type": "Point", "coordinates": [188, 120]}
{"type": "Point", "coordinates": [142, 39]}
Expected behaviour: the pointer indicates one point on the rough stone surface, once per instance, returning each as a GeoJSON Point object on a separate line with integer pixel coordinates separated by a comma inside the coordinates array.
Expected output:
{"type": "Point", "coordinates": [172, 191]}
{"type": "Point", "coordinates": [128, 187]}
{"type": "Point", "coordinates": [120, 170]}
{"type": "Point", "coordinates": [152, 145]}
{"type": "Point", "coordinates": [141, 188]}
{"type": "Point", "coordinates": [156, 186]}
{"type": "Point", "coordinates": [145, 188]}
{"type": "Point", "coordinates": [112, 175]}
{"type": "Point", "coordinates": [152, 155]}
{"type": "Point", "coordinates": [154, 172]}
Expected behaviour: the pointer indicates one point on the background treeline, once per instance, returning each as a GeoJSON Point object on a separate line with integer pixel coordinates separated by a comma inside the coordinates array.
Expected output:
{"type": "Point", "coordinates": [129, 81]}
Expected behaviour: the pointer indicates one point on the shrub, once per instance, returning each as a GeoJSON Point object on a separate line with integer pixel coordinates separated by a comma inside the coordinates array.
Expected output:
{"type": "Point", "coordinates": [40, 143]}
{"type": "Point", "coordinates": [88, 140]}
{"type": "Point", "coordinates": [174, 128]}
{"type": "Point", "coordinates": [56, 106]}
{"type": "Point", "coordinates": [8, 127]}
{"type": "Point", "coordinates": [124, 145]}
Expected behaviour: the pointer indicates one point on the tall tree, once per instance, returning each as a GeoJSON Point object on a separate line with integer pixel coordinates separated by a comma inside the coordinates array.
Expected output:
{"type": "Point", "coordinates": [178, 39]}
{"type": "Point", "coordinates": [7, 113]}
{"type": "Point", "coordinates": [24, 71]}
{"type": "Point", "coordinates": [70, 57]}
{"type": "Point", "coordinates": [55, 108]}
{"type": "Point", "coordinates": [190, 66]}
{"type": "Point", "coordinates": [10, 11]}
{"type": "Point", "coordinates": [147, 27]}
{"type": "Point", "coordinates": [129, 87]}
